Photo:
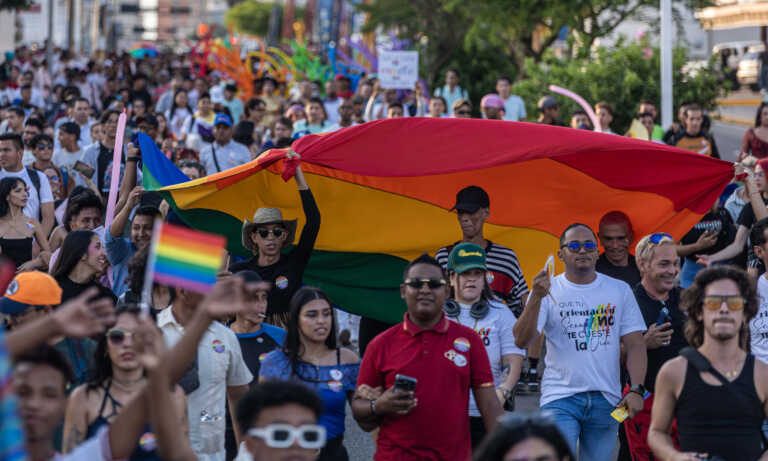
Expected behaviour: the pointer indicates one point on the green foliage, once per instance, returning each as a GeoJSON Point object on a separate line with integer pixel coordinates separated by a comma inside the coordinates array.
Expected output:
{"type": "Point", "coordinates": [622, 76]}
{"type": "Point", "coordinates": [250, 17]}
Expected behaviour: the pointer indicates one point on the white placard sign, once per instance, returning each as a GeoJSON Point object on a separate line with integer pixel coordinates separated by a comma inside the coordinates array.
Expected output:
{"type": "Point", "coordinates": [398, 69]}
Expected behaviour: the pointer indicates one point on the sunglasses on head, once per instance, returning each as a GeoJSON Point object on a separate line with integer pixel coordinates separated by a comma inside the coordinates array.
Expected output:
{"type": "Point", "coordinates": [713, 302]}
{"type": "Point", "coordinates": [309, 436]}
{"type": "Point", "coordinates": [659, 236]}
{"type": "Point", "coordinates": [116, 336]}
{"type": "Point", "coordinates": [277, 232]}
{"type": "Point", "coordinates": [433, 284]}
{"type": "Point", "coordinates": [575, 247]}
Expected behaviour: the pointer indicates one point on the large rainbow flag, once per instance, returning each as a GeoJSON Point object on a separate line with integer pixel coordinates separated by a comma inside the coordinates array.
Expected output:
{"type": "Point", "coordinates": [385, 189]}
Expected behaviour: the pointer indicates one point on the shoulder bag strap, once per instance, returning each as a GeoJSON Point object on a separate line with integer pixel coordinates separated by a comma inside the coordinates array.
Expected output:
{"type": "Point", "coordinates": [215, 160]}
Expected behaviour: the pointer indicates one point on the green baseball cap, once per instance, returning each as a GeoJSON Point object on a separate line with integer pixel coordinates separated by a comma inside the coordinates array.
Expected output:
{"type": "Point", "coordinates": [466, 256]}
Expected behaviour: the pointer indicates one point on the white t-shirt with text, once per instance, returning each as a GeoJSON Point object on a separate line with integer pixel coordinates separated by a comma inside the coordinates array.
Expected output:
{"type": "Point", "coordinates": [758, 326]}
{"type": "Point", "coordinates": [495, 329]}
{"type": "Point", "coordinates": [583, 334]}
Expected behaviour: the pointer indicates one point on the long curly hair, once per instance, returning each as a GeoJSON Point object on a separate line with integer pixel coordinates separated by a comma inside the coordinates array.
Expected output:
{"type": "Point", "coordinates": [692, 302]}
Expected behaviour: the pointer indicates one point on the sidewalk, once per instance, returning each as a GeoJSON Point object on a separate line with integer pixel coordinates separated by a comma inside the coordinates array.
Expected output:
{"type": "Point", "coordinates": [739, 108]}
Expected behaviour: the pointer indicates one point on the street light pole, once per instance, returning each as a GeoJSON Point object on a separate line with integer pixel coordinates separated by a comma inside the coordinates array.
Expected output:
{"type": "Point", "coordinates": [49, 44]}
{"type": "Point", "coordinates": [666, 63]}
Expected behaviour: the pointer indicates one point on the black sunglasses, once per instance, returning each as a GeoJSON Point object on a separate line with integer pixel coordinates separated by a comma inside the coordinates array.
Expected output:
{"type": "Point", "coordinates": [116, 336]}
{"type": "Point", "coordinates": [264, 233]}
{"type": "Point", "coordinates": [464, 112]}
{"type": "Point", "coordinates": [433, 284]}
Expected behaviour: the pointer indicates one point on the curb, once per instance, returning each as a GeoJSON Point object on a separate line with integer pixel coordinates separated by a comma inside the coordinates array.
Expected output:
{"type": "Point", "coordinates": [732, 119]}
{"type": "Point", "coordinates": [740, 102]}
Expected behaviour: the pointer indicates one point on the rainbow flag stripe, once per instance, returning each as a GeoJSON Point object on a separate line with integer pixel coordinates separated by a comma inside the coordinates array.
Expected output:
{"type": "Point", "coordinates": [186, 258]}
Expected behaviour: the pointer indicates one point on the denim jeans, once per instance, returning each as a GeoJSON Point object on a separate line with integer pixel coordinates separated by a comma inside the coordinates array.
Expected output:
{"type": "Point", "coordinates": [688, 273]}
{"type": "Point", "coordinates": [586, 418]}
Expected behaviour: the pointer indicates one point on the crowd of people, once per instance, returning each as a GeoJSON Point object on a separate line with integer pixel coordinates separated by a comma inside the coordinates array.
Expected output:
{"type": "Point", "coordinates": [264, 367]}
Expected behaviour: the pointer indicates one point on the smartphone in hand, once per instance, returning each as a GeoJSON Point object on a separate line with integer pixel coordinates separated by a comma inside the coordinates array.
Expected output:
{"type": "Point", "coordinates": [84, 169]}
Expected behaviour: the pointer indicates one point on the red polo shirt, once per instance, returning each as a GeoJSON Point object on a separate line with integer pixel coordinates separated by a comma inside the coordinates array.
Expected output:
{"type": "Point", "coordinates": [448, 360]}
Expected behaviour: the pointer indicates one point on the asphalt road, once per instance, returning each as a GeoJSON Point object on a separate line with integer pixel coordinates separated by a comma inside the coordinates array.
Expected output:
{"type": "Point", "coordinates": [728, 138]}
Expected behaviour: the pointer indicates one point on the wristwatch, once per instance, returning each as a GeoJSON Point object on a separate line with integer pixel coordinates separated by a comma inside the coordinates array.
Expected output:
{"type": "Point", "coordinates": [638, 389]}
{"type": "Point", "coordinates": [505, 392]}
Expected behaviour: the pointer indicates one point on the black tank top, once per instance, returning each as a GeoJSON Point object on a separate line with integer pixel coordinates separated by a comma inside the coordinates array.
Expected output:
{"type": "Point", "coordinates": [721, 420]}
{"type": "Point", "coordinates": [19, 250]}
{"type": "Point", "coordinates": [146, 449]}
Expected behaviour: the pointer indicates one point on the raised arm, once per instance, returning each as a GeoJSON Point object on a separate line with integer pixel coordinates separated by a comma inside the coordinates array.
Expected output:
{"type": "Point", "coordinates": [117, 227]}
{"type": "Point", "coordinates": [526, 327]}
{"type": "Point", "coordinates": [79, 318]}
{"type": "Point", "coordinates": [133, 155]}
{"type": "Point", "coordinates": [731, 251]}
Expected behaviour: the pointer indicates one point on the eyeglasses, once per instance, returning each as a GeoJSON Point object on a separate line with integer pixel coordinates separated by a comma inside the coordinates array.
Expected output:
{"type": "Point", "coordinates": [433, 284]}
{"type": "Point", "coordinates": [309, 436]}
{"type": "Point", "coordinates": [277, 232]}
{"type": "Point", "coordinates": [44, 146]}
{"type": "Point", "coordinates": [659, 236]}
{"type": "Point", "coordinates": [713, 302]}
{"type": "Point", "coordinates": [575, 247]}
{"type": "Point", "coordinates": [116, 336]}
{"type": "Point", "coordinates": [463, 112]}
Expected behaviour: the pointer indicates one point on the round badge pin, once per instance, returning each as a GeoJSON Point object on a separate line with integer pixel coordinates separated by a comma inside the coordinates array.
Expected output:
{"type": "Point", "coordinates": [218, 346]}
{"type": "Point", "coordinates": [461, 344]}
{"type": "Point", "coordinates": [147, 442]}
{"type": "Point", "coordinates": [12, 288]}
{"type": "Point", "coordinates": [489, 277]}
{"type": "Point", "coordinates": [335, 386]}
{"type": "Point", "coordinates": [460, 360]}
{"type": "Point", "coordinates": [281, 282]}
{"type": "Point", "coordinates": [261, 357]}
{"type": "Point", "coordinates": [337, 374]}
{"type": "Point", "coordinates": [259, 340]}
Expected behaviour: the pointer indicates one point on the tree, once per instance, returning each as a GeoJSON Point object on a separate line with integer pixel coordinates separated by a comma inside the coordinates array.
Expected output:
{"type": "Point", "coordinates": [250, 17]}
{"type": "Point", "coordinates": [445, 30]}
{"type": "Point", "coordinates": [622, 76]}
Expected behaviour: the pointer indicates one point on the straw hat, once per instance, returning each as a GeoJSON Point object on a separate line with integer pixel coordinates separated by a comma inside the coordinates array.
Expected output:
{"type": "Point", "coordinates": [265, 216]}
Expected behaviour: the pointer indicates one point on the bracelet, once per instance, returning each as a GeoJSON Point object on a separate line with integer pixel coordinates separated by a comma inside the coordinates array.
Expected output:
{"type": "Point", "coordinates": [373, 408]}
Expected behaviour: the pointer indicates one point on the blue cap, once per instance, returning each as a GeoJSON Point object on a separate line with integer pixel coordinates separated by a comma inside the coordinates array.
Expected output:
{"type": "Point", "coordinates": [222, 119]}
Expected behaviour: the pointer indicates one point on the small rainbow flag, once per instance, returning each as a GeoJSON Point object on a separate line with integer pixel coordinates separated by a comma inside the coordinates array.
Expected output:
{"type": "Point", "coordinates": [186, 258]}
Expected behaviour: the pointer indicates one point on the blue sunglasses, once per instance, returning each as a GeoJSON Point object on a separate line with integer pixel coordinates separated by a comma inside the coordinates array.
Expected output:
{"type": "Point", "coordinates": [575, 247]}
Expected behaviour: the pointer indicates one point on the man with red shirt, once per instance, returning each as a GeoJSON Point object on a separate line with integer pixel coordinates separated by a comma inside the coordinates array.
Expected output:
{"type": "Point", "coordinates": [447, 360]}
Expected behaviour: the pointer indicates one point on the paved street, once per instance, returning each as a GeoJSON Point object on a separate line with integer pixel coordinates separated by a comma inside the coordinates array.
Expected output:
{"type": "Point", "coordinates": [728, 138]}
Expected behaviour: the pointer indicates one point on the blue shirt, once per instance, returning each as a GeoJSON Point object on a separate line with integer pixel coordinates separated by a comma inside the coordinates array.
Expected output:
{"type": "Point", "coordinates": [331, 382]}
{"type": "Point", "coordinates": [451, 96]}
{"type": "Point", "coordinates": [514, 108]}
{"type": "Point", "coordinates": [12, 442]}
{"type": "Point", "coordinates": [119, 252]}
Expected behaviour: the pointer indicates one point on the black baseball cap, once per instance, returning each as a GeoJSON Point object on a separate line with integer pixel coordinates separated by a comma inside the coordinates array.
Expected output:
{"type": "Point", "coordinates": [471, 199]}
{"type": "Point", "coordinates": [150, 119]}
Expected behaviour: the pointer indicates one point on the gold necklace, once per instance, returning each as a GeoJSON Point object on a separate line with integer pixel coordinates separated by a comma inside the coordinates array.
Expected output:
{"type": "Point", "coordinates": [735, 372]}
